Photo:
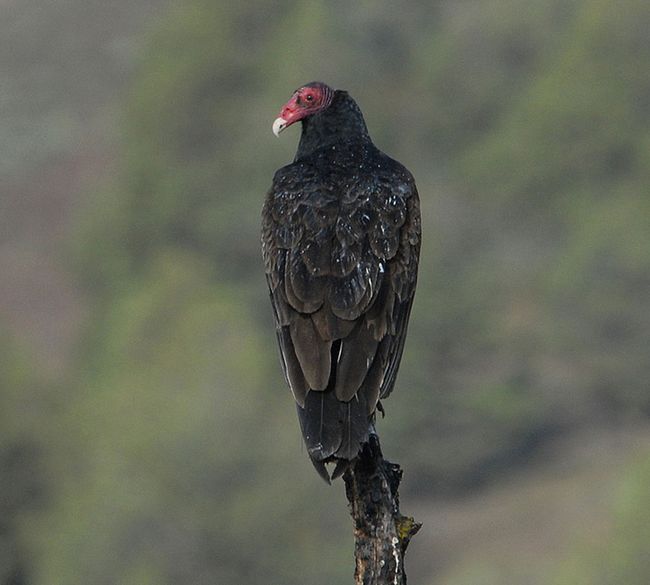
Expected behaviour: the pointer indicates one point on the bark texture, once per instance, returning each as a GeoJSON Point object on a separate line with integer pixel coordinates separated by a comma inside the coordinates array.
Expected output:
{"type": "Point", "coordinates": [381, 532]}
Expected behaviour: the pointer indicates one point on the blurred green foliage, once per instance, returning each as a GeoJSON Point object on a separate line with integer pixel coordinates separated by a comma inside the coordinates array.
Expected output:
{"type": "Point", "coordinates": [24, 433]}
{"type": "Point", "coordinates": [623, 556]}
{"type": "Point", "coordinates": [176, 456]}
{"type": "Point", "coordinates": [181, 477]}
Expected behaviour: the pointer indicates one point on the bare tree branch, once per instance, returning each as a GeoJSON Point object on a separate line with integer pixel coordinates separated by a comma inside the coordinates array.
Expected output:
{"type": "Point", "coordinates": [381, 532]}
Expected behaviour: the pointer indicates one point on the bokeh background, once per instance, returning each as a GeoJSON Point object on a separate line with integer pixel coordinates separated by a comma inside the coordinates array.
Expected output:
{"type": "Point", "coordinates": [146, 433]}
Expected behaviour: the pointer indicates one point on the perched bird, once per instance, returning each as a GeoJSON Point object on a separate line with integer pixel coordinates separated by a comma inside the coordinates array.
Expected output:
{"type": "Point", "coordinates": [340, 242]}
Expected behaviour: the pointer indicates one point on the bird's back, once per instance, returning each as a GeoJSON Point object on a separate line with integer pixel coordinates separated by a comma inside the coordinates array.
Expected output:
{"type": "Point", "coordinates": [341, 241]}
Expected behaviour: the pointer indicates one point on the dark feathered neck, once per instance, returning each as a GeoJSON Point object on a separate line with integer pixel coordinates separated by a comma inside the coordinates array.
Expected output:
{"type": "Point", "coordinates": [342, 121]}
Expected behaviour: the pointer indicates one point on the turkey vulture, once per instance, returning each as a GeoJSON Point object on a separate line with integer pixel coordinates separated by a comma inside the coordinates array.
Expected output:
{"type": "Point", "coordinates": [340, 242]}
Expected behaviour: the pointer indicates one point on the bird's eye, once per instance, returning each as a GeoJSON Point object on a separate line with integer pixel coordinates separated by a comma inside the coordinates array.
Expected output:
{"type": "Point", "coordinates": [309, 97]}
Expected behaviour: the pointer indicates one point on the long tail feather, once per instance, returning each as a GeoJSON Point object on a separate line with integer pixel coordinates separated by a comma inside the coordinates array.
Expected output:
{"type": "Point", "coordinates": [334, 431]}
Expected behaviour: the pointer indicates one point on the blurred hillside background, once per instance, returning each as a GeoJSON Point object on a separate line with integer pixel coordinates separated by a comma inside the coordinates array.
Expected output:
{"type": "Point", "coordinates": [146, 433]}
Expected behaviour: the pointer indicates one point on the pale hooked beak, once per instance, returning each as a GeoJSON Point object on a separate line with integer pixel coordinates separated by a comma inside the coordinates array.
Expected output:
{"type": "Point", "coordinates": [279, 125]}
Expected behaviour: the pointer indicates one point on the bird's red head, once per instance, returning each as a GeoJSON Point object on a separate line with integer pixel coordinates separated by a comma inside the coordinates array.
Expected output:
{"type": "Point", "coordinates": [306, 101]}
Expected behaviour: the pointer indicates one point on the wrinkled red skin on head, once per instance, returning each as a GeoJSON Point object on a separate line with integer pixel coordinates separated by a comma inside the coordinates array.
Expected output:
{"type": "Point", "coordinates": [306, 101]}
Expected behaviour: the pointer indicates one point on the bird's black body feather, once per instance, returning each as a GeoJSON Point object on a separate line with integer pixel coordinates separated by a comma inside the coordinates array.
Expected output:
{"type": "Point", "coordinates": [341, 240]}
